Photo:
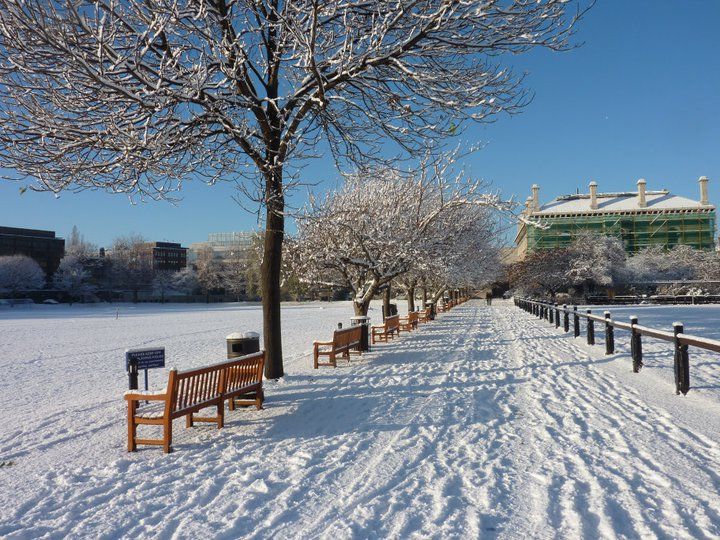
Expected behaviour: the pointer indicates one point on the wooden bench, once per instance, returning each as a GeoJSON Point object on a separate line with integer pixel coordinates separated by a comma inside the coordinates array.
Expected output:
{"type": "Point", "coordinates": [344, 342]}
{"type": "Point", "coordinates": [386, 332]}
{"type": "Point", "coordinates": [238, 381]}
{"type": "Point", "coordinates": [424, 315]}
{"type": "Point", "coordinates": [410, 322]}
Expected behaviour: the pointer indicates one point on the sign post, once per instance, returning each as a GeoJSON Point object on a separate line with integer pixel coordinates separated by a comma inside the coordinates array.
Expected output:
{"type": "Point", "coordinates": [137, 359]}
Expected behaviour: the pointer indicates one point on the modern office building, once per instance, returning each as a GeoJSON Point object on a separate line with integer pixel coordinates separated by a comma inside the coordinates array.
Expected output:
{"type": "Point", "coordinates": [640, 218]}
{"type": "Point", "coordinates": [43, 246]}
{"type": "Point", "coordinates": [166, 255]}
{"type": "Point", "coordinates": [222, 246]}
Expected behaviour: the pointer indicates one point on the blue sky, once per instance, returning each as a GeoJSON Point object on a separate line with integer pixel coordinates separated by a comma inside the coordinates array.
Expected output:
{"type": "Point", "coordinates": [640, 98]}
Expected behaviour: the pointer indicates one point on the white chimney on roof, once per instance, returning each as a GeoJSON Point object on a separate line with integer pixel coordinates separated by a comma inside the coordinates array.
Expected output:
{"type": "Point", "coordinates": [536, 197]}
{"type": "Point", "coordinates": [704, 201]}
{"type": "Point", "coordinates": [642, 203]}
{"type": "Point", "coordinates": [593, 195]}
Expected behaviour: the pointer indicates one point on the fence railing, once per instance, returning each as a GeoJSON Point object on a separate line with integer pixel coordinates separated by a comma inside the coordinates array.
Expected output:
{"type": "Point", "coordinates": [681, 341]}
{"type": "Point", "coordinates": [661, 299]}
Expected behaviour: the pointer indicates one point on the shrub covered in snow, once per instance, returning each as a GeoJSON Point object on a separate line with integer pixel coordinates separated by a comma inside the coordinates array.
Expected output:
{"type": "Point", "coordinates": [20, 273]}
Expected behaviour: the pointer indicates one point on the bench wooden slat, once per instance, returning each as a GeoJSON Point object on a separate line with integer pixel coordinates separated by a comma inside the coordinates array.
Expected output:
{"type": "Point", "coordinates": [389, 328]}
{"type": "Point", "coordinates": [345, 341]}
{"type": "Point", "coordinates": [190, 391]}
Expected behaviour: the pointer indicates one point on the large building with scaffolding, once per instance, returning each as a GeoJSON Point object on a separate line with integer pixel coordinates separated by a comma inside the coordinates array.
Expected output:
{"type": "Point", "coordinates": [640, 219]}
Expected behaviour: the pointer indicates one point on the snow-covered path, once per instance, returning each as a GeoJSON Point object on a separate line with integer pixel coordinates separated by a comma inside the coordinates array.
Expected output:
{"type": "Point", "coordinates": [608, 458]}
{"type": "Point", "coordinates": [485, 423]}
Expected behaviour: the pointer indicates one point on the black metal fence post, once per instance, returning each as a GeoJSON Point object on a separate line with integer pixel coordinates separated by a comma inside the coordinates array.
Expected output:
{"type": "Point", "coordinates": [133, 375]}
{"type": "Point", "coordinates": [566, 319]}
{"type": "Point", "coordinates": [635, 345]}
{"type": "Point", "coordinates": [557, 316]}
{"type": "Point", "coordinates": [576, 322]}
{"type": "Point", "coordinates": [609, 335]}
{"type": "Point", "coordinates": [682, 362]}
{"type": "Point", "coordinates": [551, 314]}
{"type": "Point", "coordinates": [590, 329]}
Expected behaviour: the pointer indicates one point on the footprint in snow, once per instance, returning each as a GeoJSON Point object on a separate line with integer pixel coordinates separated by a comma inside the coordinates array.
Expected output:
{"type": "Point", "coordinates": [259, 486]}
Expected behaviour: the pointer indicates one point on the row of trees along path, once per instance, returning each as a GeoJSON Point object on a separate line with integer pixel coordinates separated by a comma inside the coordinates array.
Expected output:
{"type": "Point", "coordinates": [135, 97]}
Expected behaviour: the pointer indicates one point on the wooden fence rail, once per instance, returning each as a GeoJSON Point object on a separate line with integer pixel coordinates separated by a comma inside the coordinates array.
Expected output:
{"type": "Point", "coordinates": [680, 340]}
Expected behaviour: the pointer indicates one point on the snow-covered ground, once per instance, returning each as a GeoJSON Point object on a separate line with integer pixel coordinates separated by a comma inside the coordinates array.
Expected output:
{"type": "Point", "coordinates": [703, 321]}
{"type": "Point", "coordinates": [487, 422]}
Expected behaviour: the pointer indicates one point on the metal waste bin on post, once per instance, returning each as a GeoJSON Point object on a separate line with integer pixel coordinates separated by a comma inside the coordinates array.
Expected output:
{"type": "Point", "coordinates": [364, 322]}
{"type": "Point", "coordinates": [431, 307]}
{"type": "Point", "coordinates": [242, 343]}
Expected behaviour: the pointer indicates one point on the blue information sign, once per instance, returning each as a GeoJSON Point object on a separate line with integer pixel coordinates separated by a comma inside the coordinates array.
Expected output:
{"type": "Point", "coordinates": [145, 358]}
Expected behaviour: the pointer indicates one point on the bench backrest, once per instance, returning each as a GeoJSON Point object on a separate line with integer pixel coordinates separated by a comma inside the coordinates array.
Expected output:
{"type": "Point", "coordinates": [412, 316]}
{"type": "Point", "coordinates": [347, 337]}
{"type": "Point", "coordinates": [392, 322]}
{"type": "Point", "coordinates": [196, 388]}
{"type": "Point", "coordinates": [245, 371]}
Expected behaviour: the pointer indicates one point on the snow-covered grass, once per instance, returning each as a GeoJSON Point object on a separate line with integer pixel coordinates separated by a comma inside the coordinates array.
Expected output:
{"type": "Point", "coordinates": [486, 422]}
{"type": "Point", "coordinates": [702, 321]}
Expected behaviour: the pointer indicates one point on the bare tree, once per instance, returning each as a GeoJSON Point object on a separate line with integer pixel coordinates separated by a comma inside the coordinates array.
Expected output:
{"type": "Point", "coordinates": [135, 96]}
{"type": "Point", "coordinates": [381, 225]}
{"type": "Point", "coordinates": [20, 273]}
{"type": "Point", "coordinates": [130, 264]}
{"type": "Point", "coordinates": [542, 273]}
{"type": "Point", "coordinates": [163, 281]}
{"type": "Point", "coordinates": [73, 278]}
{"type": "Point", "coordinates": [210, 272]}
{"type": "Point", "coordinates": [597, 260]}
{"type": "Point", "coordinates": [185, 280]}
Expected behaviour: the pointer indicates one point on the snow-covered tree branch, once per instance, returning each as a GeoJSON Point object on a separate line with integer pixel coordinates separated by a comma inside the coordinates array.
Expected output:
{"type": "Point", "coordinates": [137, 96]}
{"type": "Point", "coordinates": [381, 225]}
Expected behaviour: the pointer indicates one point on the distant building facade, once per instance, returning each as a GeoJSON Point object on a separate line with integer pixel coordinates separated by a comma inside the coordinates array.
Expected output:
{"type": "Point", "coordinates": [640, 219]}
{"type": "Point", "coordinates": [222, 246]}
{"type": "Point", "coordinates": [43, 246]}
{"type": "Point", "coordinates": [166, 255]}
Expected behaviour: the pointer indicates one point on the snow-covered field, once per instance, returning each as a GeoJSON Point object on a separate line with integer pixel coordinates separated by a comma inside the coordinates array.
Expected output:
{"type": "Point", "coordinates": [487, 422]}
{"type": "Point", "coordinates": [701, 321]}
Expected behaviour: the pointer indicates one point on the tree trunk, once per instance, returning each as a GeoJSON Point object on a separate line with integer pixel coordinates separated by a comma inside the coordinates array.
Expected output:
{"type": "Point", "coordinates": [386, 300]}
{"type": "Point", "coordinates": [424, 297]}
{"type": "Point", "coordinates": [361, 309]}
{"type": "Point", "coordinates": [271, 268]}
{"type": "Point", "coordinates": [411, 298]}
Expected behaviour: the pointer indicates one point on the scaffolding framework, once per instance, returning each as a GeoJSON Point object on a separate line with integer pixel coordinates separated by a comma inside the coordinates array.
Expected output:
{"type": "Point", "coordinates": [636, 229]}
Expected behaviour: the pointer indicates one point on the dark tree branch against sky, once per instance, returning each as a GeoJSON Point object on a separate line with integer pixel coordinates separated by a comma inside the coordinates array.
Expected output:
{"type": "Point", "coordinates": [136, 97]}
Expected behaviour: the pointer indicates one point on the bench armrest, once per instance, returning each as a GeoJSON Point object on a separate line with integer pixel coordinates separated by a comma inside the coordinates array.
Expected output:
{"type": "Point", "coordinates": [145, 395]}
{"type": "Point", "coordinates": [323, 342]}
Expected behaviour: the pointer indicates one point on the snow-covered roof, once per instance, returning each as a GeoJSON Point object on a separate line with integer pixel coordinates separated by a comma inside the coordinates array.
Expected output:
{"type": "Point", "coordinates": [619, 202]}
